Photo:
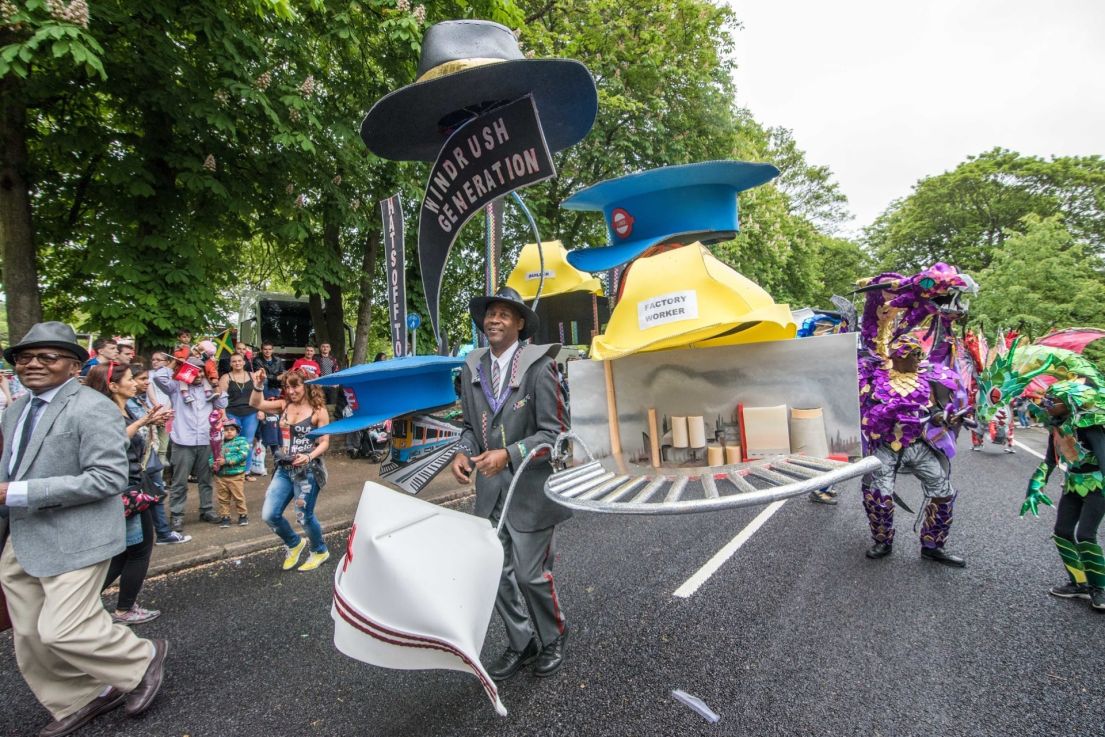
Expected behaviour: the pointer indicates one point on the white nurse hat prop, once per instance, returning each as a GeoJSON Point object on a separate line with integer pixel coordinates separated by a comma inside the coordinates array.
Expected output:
{"type": "Point", "coordinates": [416, 587]}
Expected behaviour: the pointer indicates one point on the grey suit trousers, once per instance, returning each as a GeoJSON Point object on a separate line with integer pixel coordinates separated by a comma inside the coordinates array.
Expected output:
{"type": "Point", "coordinates": [190, 459]}
{"type": "Point", "coordinates": [526, 599]}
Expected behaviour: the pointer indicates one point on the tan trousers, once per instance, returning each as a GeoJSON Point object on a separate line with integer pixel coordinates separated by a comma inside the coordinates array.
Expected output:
{"type": "Point", "coordinates": [227, 488]}
{"type": "Point", "coordinates": [66, 645]}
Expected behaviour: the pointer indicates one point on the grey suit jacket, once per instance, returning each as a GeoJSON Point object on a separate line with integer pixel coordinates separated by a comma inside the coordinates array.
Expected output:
{"type": "Point", "coordinates": [533, 411]}
{"type": "Point", "coordinates": [76, 469]}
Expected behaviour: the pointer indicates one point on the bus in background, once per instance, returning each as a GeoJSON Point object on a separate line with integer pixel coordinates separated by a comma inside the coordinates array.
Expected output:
{"type": "Point", "coordinates": [281, 319]}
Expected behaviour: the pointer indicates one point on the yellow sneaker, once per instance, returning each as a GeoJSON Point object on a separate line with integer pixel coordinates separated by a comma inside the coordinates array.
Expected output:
{"type": "Point", "coordinates": [314, 560]}
{"type": "Point", "coordinates": [291, 555]}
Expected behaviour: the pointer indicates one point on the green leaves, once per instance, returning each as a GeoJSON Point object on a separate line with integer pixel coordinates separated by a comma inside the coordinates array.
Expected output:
{"type": "Point", "coordinates": [1039, 280]}
{"type": "Point", "coordinates": [42, 41]}
{"type": "Point", "coordinates": [140, 237]}
{"type": "Point", "coordinates": [964, 216]}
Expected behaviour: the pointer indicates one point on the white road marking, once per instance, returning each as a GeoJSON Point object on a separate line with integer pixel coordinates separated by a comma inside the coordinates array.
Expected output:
{"type": "Point", "coordinates": [711, 566]}
{"type": "Point", "coordinates": [1022, 446]}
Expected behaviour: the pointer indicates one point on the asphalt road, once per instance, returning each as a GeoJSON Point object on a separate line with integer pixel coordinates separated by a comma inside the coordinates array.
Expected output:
{"type": "Point", "coordinates": [797, 634]}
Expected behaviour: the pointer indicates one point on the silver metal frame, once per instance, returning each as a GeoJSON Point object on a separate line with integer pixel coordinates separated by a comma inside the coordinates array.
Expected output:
{"type": "Point", "coordinates": [605, 486]}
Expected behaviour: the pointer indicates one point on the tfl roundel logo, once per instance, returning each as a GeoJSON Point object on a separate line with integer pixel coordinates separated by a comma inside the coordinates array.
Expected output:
{"type": "Point", "coordinates": [622, 222]}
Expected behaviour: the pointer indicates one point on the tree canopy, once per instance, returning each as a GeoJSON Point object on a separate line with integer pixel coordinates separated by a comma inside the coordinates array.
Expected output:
{"type": "Point", "coordinates": [964, 216]}
{"type": "Point", "coordinates": [1039, 280]}
{"type": "Point", "coordinates": [158, 159]}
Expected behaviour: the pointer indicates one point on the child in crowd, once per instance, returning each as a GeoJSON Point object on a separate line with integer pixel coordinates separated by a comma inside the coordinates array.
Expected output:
{"type": "Point", "coordinates": [207, 351]}
{"type": "Point", "coordinates": [183, 350]}
{"type": "Point", "coordinates": [230, 471]}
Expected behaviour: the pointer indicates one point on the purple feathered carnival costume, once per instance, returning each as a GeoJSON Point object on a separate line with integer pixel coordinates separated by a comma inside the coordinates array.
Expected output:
{"type": "Point", "coordinates": [911, 408]}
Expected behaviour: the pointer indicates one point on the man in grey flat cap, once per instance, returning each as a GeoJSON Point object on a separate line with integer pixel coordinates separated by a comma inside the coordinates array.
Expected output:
{"type": "Point", "coordinates": [63, 469]}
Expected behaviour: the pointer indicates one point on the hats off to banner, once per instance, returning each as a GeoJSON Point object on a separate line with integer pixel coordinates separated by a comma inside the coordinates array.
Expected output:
{"type": "Point", "coordinates": [395, 269]}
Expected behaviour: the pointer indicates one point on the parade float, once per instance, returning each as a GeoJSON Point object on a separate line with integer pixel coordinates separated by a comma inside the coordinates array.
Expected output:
{"type": "Point", "coordinates": [696, 396]}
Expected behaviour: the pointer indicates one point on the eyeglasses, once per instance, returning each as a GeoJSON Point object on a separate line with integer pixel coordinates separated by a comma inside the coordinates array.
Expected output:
{"type": "Point", "coordinates": [111, 370]}
{"type": "Point", "coordinates": [44, 359]}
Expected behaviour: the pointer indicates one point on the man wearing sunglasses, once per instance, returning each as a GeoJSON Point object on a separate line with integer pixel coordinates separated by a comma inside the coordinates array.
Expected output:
{"type": "Point", "coordinates": [63, 468]}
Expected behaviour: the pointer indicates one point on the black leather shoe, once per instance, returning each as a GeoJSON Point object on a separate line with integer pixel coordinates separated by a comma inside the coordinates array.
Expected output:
{"type": "Point", "coordinates": [143, 695]}
{"type": "Point", "coordinates": [512, 661]}
{"type": "Point", "coordinates": [94, 708]}
{"type": "Point", "coordinates": [938, 555]}
{"type": "Point", "coordinates": [879, 550]}
{"type": "Point", "coordinates": [552, 657]}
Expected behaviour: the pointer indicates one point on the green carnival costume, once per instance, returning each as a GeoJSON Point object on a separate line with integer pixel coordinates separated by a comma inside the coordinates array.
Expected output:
{"type": "Point", "coordinates": [1077, 445]}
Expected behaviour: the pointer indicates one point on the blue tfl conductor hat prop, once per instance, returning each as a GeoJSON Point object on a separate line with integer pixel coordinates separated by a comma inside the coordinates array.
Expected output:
{"type": "Point", "coordinates": [691, 202]}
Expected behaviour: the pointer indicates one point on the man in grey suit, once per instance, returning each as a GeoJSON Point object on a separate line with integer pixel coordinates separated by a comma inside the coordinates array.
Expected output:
{"type": "Point", "coordinates": [63, 468]}
{"type": "Point", "coordinates": [513, 401]}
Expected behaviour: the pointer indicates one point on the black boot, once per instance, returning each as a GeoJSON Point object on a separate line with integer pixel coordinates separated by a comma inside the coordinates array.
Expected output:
{"type": "Point", "coordinates": [512, 661]}
{"type": "Point", "coordinates": [939, 555]}
{"type": "Point", "coordinates": [879, 550]}
{"type": "Point", "coordinates": [552, 657]}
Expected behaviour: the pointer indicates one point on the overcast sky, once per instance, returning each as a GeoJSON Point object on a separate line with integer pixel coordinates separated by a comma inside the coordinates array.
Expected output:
{"type": "Point", "coordinates": [886, 93]}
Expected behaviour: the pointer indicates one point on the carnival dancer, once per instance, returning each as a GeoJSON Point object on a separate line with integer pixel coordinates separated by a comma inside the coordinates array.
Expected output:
{"type": "Point", "coordinates": [905, 402]}
{"type": "Point", "coordinates": [977, 356]}
{"type": "Point", "coordinates": [1075, 416]}
{"type": "Point", "coordinates": [512, 401]}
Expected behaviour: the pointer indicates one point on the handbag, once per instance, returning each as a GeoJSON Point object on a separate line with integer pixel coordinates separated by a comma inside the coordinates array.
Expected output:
{"type": "Point", "coordinates": [257, 460]}
{"type": "Point", "coordinates": [137, 498]}
{"type": "Point", "coordinates": [136, 501]}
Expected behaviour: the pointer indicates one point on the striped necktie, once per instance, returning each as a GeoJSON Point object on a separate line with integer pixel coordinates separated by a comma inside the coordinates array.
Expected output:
{"type": "Point", "coordinates": [26, 431]}
{"type": "Point", "coordinates": [495, 376]}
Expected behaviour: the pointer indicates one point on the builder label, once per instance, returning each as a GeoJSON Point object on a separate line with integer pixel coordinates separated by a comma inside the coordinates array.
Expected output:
{"type": "Point", "coordinates": [665, 308]}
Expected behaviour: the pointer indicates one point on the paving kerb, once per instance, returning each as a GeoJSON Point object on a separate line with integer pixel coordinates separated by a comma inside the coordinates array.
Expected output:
{"type": "Point", "coordinates": [336, 508]}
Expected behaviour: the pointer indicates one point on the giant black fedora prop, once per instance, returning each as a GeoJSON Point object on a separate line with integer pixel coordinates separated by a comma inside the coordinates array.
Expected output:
{"type": "Point", "coordinates": [478, 307]}
{"type": "Point", "coordinates": [466, 68]}
{"type": "Point", "coordinates": [49, 335]}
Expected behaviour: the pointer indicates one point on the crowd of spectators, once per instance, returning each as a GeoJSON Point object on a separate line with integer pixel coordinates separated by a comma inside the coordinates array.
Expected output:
{"type": "Point", "coordinates": [198, 420]}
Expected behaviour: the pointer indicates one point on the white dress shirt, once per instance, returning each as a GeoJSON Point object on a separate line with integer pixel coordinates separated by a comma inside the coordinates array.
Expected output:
{"type": "Point", "coordinates": [504, 368]}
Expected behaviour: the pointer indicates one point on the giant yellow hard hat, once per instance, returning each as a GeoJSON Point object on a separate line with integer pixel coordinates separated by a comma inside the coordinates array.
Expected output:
{"type": "Point", "coordinates": [560, 276]}
{"type": "Point", "coordinates": [687, 298]}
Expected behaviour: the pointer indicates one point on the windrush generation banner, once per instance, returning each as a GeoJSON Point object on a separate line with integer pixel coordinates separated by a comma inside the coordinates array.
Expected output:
{"type": "Point", "coordinates": [391, 211]}
{"type": "Point", "coordinates": [488, 157]}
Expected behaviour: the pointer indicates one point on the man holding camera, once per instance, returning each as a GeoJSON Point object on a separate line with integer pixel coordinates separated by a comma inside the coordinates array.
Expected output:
{"type": "Point", "coordinates": [191, 440]}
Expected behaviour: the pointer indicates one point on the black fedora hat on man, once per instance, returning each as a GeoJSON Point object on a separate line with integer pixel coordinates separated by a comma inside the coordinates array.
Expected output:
{"type": "Point", "coordinates": [48, 335]}
{"type": "Point", "coordinates": [478, 307]}
{"type": "Point", "coordinates": [466, 68]}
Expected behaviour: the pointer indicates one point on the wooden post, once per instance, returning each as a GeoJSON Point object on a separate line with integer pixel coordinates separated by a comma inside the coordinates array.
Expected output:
{"type": "Point", "coordinates": [654, 437]}
{"type": "Point", "coordinates": [612, 410]}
